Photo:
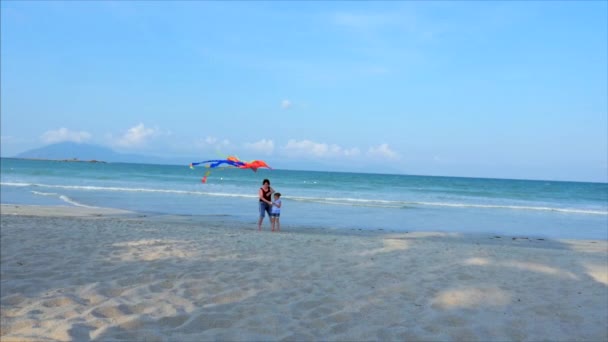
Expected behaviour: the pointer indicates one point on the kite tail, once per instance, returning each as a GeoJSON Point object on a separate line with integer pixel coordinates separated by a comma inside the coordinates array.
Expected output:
{"type": "Point", "coordinates": [204, 180]}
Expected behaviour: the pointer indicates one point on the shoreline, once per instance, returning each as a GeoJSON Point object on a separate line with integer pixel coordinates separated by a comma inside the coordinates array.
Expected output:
{"type": "Point", "coordinates": [71, 273]}
{"type": "Point", "coordinates": [222, 219]}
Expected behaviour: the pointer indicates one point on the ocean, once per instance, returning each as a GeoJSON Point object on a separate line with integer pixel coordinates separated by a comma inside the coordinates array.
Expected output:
{"type": "Point", "coordinates": [315, 199]}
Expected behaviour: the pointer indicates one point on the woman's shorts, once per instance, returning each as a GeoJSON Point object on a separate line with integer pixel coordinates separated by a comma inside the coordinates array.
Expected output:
{"type": "Point", "coordinates": [264, 208]}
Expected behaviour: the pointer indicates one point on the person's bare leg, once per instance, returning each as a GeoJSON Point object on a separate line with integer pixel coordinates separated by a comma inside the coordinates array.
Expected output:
{"type": "Point", "coordinates": [278, 222]}
{"type": "Point", "coordinates": [260, 223]}
{"type": "Point", "coordinates": [272, 222]}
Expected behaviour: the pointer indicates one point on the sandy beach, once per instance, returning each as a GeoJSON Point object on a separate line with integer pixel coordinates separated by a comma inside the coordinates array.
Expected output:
{"type": "Point", "coordinates": [87, 274]}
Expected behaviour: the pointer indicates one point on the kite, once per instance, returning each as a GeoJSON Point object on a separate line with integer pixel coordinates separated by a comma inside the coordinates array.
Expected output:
{"type": "Point", "coordinates": [230, 161]}
{"type": "Point", "coordinates": [255, 165]}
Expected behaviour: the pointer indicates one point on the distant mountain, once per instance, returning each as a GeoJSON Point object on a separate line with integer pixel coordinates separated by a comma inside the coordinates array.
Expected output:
{"type": "Point", "coordinates": [86, 152]}
{"type": "Point", "coordinates": [70, 150]}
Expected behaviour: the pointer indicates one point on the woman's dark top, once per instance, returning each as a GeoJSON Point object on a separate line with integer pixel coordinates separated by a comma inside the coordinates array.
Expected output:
{"type": "Point", "coordinates": [266, 194]}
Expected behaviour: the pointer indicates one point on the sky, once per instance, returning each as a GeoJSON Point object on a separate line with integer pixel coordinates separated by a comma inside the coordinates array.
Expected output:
{"type": "Point", "coordinates": [473, 89]}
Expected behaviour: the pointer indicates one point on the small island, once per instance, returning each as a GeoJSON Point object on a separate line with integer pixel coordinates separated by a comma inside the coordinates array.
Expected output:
{"type": "Point", "coordinates": [73, 160]}
{"type": "Point", "coordinates": [83, 161]}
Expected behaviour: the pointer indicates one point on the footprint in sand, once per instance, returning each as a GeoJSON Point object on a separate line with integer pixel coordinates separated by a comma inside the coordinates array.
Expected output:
{"type": "Point", "coordinates": [57, 302]}
{"type": "Point", "coordinates": [205, 322]}
{"type": "Point", "coordinates": [112, 311]}
{"type": "Point", "coordinates": [172, 321]}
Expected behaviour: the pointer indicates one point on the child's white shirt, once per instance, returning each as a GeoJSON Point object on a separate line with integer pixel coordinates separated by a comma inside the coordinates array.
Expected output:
{"type": "Point", "coordinates": [275, 209]}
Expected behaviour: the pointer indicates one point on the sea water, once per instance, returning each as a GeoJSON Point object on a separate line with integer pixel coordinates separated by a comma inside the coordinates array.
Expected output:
{"type": "Point", "coordinates": [318, 199]}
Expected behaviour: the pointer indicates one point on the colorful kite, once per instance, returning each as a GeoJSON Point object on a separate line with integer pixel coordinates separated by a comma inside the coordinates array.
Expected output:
{"type": "Point", "coordinates": [230, 161]}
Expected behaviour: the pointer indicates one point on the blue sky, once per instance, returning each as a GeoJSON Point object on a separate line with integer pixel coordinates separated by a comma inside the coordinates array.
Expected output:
{"type": "Point", "coordinates": [477, 89]}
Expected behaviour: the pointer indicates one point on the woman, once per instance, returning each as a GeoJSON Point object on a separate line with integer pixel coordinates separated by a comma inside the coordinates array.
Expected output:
{"type": "Point", "coordinates": [264, 194]}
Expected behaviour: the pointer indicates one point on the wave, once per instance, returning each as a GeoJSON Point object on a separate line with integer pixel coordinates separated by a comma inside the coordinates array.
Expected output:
{"type": "Point", "coordinates": [63, 198]}
{"type": "Point", "coordinates": [17, 184]}
{"type": "Point", "coordinates": [407, 204]}
{"type": "Point", "coordinates": [518, 207]}
{"type": "Point", "coordinates": [121, 189]}
{"type": "Point", "coordinates": [322, 200]}
{"type": "Point", "coordinates": [45, 193]}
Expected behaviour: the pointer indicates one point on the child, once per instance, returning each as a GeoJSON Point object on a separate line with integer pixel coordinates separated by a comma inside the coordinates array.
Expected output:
{"type": "Point", "coordinates": [275, 212]}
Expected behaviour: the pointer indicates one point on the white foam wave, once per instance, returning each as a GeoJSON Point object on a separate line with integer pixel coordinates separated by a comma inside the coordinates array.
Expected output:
{"type": "Point", "coordinates": [404, 204]}
{"type": "Point", "coordinates": [515, 207]}
{"type": "Point", "coordinates": [15, 184]}
{"type": "Point", "coordinates": [63, 198]}
{"type": "Point", "coordinates": [322, 200]}
{"type": "Point", "coordinates": [122, 189]}
{"type": "Point", "coordinates": [72, 202]}
{"type": "Point", "coordinates": [44, 193]}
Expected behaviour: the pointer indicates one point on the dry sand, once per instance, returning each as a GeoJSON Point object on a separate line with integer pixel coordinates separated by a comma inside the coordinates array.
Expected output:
{"type": "Point", "coordinates": [95, 274]}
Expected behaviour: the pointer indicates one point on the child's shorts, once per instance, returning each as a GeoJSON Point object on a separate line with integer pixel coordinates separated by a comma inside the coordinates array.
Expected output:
{"type": "Point", "coordinates": [275, 214]}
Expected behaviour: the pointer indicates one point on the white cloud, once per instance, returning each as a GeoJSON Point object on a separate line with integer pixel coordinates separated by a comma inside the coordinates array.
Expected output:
{"type": "Point", "coordinates": [136, 136]}
{"type": "Point", "coordinates": [323, 150]}
{"type": "Point", "coordinates": [213, 142]}
{"type": "Point", "coordinates": [64, 134]}
{"type": "Point", "coordinates": [382, 151]}
{"type": "Point", "coordinates": [286, 104]}
{"type": "Point", "coordinates": [354, 20]}
{"type": "Point", "coordinates": [262, 146]}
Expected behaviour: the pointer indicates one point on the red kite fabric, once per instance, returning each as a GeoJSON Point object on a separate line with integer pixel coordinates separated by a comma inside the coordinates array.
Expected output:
{"type": "Point", "coordinates": [230, 161]}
